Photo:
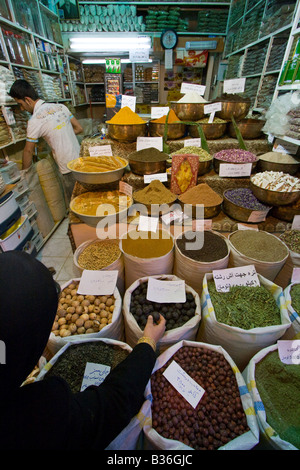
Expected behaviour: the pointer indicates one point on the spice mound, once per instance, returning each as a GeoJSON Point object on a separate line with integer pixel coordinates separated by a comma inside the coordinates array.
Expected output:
{"type": "Point", "coordinates": [244, 197]}
{"type": "Point", "coordinates": [232, 97]}
{"type": "Point", "coordinates": [276, 181]}
{"type": "Point", "coordinates": [236, 156]}
{"type": "Point", "coordinates": [245, 307]}
{"type": "Point", "coordinates": [81, 314]}
{"type": "Point", "coordinates": [176, 314]}
{"type": "Point", "coordinates": [219, 416]}
{"type": "Point", "coordinates": [215, 121]}
{"type": "Point", "coordinates": [278, 385]}
{"type": "Point", "coordinates": [154, 193]}
{"type": "Point", "coordinates": [99, 255]}
{"type": "Point", "coordinates": [201, 194]}
{"type": "Point", "coordinates": [292, 239]}
{"type": "Point", "coordinates": [259, 245]}
{"type": "Point", "coordinates": [143, 244]}
{"type": "Point", "coordinates": [71, 364]}
{"type": "Point", "coordinates": [192, 150]}
{"type": "Point", "coordinates": [150, 154]}
{"type": "Point", "coordinates": [97, 164]}
{"type": "Point", "coordinates": [192, 98]}
{"type": "Point", "coordinates": [126, 116]}
{"type": "Point", "coordinates": [204, 247]}
{"type": "Point", "coordinates": [98, 203]}
{"type": "Point", "coordinates": [277, 157]}
{"type": "Point", "coordinates": [171, 118]}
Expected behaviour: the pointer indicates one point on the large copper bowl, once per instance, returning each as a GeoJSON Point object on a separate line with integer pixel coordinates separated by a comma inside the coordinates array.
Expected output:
{"type": "Point", "coordinates": [188, 111]}
{"type": "Point", "coordinates": [233, 108]}
{"type": "Point", "coordinates": [212, 131]}
{"type": "Point", "coordinates": [274, 198]}
{"type": "Point", "coordinates": [249, 128]}
{"type": "Point", "coordinates": [176, 130]}
{"type": "Point", "coordinates": [127, 132]}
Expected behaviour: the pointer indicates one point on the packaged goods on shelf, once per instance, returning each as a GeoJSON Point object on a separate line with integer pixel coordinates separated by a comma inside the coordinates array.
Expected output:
{"type": "Point", "coordinates": [6, 80]}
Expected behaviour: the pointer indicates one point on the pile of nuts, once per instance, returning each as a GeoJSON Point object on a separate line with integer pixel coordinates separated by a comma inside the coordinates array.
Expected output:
{"type": "Point", "coordinates": [219, 416]}
{"type": "Point", "coordinates": [81, 314]}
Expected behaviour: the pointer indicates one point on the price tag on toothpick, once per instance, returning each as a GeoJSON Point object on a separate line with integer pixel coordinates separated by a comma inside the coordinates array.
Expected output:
{"type": "Point", "coordinates": [100, 150]}
{"type": "Point", "coordinates": [289, 351]}
{"type": "Point", "coordinates": [241, 276]}
{"type": "Point", "coordinates": [129, 101]}
{"type": "Point", "coordinates": [159, 111]}
{"type": "Point", "coordinates": [212, 108]}
{"type": "Point", "coordinates": [234, 85]}
{"type": "Point", "coordinates": [166, 291]}
{"type": "Point", "coordinates": [97, 282]}
{"type": "Point", "coordinates": [147, 224]}
{"type": "Point", "coordinates": [184, 384]}
{"type": "Point", "coordinates": [147, 142]}
{"type": "Point", "coordinates": [191, 88]}
{"type": "Point", "coordinates": [94, 374]}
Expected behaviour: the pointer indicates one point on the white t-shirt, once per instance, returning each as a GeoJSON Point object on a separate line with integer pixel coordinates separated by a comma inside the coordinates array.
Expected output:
{"type": "Point", "coordinates": [53, 122]}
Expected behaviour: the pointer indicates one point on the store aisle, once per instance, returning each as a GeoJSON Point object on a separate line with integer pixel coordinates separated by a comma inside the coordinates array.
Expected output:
{"type": "Point", "coordinates": [57, 253]}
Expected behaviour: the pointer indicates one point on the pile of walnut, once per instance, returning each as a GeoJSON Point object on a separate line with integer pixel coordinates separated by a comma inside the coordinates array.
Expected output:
{"type": "Point", "coordinates": [81, 314]}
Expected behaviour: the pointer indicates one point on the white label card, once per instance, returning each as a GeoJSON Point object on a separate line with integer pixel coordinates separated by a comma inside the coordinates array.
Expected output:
{"type": "Point", "coordinates": [129, 101]}
{"type": "Point", "coordinates": [159, 111]}
{"type": "Point", "coordinates": [125, 188]}
{"type": "Point", "coordinates": [241, 276]}
{"type": "Point", "coordinates": [148, 223]}
{"type": "Point", "coordinates": [184, 384]}
{"type": "Point", "coordinates": [146, 142]}
{"type": "Point", "coordinates": [192, 142]}
{"type": "Point", "coordinates": [176, 215]}
{"type": "Point", "coordinates": [138, 55]}
{"type": "Point", "coordinates": [234, 85]}
{"type": "Point", "coordinates": [282, 146]}
{"type": "Point", "coordinates": [8, 116]}
{"type": "Point", "coordinates": [289, 351]}
{"type": "Point", "coordinates": [94, 374]}
{"type": "Point", "coordinates": [296, 222]}
{"type": "Point", "coordinates": [157, 176]}
{"type": "Point", "coordinates": [212, 108]}
{"type": "Point", "coordinates": [202, 224]}
{"type": "Point", "coordinates": [258, 216]}
{"type": "Point", "coordinates": [190, 88]}
{"type": "Point", "coordinates": [100, 150]}
{"type": "Point", "coordinates": [166, 291]}
{"type": "Point", "coordinates": [247, 227]}
{"type": "Point", "coordinates": [295, 276]}
{"type": "Point", "coordinates": [97, 282]}
{"type": "Point", "coordinates": [235, 170]}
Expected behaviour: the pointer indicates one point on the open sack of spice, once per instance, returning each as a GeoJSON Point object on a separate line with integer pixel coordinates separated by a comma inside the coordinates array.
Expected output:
{"type": "Point", "coordinates": [243, 320]}
{"type": "Point", "coordinates": [223, 418]}
{"type": "Point", "coordinates": [182, 318]}
{"type": "Point", "coordinates": [274, 388]}
{"type": "Point", "coordinates": [292, 299]}
{"type": "Point", "coordinates": [80, 316]}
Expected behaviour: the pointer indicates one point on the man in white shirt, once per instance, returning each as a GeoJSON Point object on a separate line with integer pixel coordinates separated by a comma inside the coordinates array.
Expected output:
{"type": "Point", "coordinates": [55, 123]}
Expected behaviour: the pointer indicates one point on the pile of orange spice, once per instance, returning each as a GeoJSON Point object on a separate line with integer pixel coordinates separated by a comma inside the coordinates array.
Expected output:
{"type": "Point", "coordinates": [171, 118]}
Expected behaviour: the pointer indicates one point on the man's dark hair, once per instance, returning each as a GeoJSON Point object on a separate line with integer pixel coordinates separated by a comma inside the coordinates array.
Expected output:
{"type": "Point", "coordinates": [22, 89]}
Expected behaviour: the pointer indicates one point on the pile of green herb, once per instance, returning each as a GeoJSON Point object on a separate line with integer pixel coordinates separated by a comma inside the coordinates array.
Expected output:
{"type": "Point", "coordinates": [278, 385]}
{"type": "Point", "coordinates": [245, 307]}
{"type": "Point", "coordinates": [295, 297]}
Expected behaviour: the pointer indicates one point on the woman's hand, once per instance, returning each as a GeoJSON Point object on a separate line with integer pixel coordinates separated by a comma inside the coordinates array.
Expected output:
{"type": "Point", "coordinates": [155, 331]}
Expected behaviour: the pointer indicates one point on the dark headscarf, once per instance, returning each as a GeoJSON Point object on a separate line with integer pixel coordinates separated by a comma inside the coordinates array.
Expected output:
{"type": "Point", "coordinates": [28, 303]}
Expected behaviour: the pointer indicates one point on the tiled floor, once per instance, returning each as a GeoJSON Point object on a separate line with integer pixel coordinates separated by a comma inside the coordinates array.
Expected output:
{"type": "Point", "coordinates": [57, 253]}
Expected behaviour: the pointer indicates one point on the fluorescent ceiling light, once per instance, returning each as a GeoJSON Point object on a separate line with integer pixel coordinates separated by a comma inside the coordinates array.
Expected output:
{"type": "Point", "coordinates": [109, 43]}
{"type": "Point", "coordinates": [102, 61]}
{"type": "Point", "coordinates": [201, 45]}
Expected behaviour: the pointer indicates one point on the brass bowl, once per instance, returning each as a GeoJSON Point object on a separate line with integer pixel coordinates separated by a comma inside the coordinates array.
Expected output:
{"type": "Point", "coordinates": [188, 111]}
{"type": "Point", "coordinates": [175, 130]}
{"type": "Point", "coordinates": [209, 211]}
{"type": "Point", "coordinates": [232, 108]}
{"type": "Point", "coordinates": [237, 212]}
{"type": "Point", "coordinates": [286, 213]}
{"type": "Point", "coordinates": [249, 128]}
{"type": "Point", "coordinates": [127, 132]}
{"type": "Point", "coordinates": [147, 168]}
{"type": "Point", "coordinates": [274, 198]}
{"type": "Point", "coordinates": [97, 177]}
{"type": "Point", "coordinates": [217, 163]}
{"type": "Point", "coordinates": [290, 168]}
{"type": "Point", "coordinates": [212, 131]}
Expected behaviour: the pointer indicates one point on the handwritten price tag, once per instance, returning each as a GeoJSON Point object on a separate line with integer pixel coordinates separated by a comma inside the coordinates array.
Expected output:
{"type": "Point", "coordinates": [289, 351]}
{"type": "Point", "coordinates": [100, 150]}
{"type": "Point", "coordinates": [159, 111]}
{"type": "Point", "coordinates": [184, 384]}
{"type": "Point", "coordinates": [146, 142]}
{"type": "Point", "coordinates": [192, 142]}
{"type": "Point", "coordinates": [234, 85]}
{"type": "Point", "coordinates": [157, 176]}
{"type": "Point", "coordinates": [129, 101]}
{"type": "Point", "coordinates": [190, 88]}
{"type": "Point", "coordinates": [241, 276]}
{"type": "Point", "coordinates": [94, 374]}
{"type": "Point", "coordinates": [148, 223]}
{"type": "Point", "coordinates": [166, 291]}
{"type": "Point", "coordinates": [232, 170]}
{"type": "Point", "coordinates": [97, 282]}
